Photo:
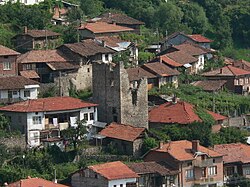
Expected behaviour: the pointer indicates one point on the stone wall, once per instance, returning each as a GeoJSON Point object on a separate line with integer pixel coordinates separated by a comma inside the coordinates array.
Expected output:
{"type": "Point", "coordinates": [14, 142]}
{"type": "Point", "coordinates": [119, 100]}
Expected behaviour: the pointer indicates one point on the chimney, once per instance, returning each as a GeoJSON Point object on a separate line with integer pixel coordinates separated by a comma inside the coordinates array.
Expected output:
{"type": "Point", "coordinates": [221, 71]}
{"type": "Point", "coordinates": [25, 29]}
{"type": "Point", "coordinates": [103, 43]}
{"type": "Point", "coordinates": [174, 99]}
{"type": "Point", "coordinates": [195, 145]}
{"type": "Point", "coordinates": [161, 143]}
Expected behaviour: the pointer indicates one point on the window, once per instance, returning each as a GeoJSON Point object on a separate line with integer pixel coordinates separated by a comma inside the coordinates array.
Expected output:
{"type": "Point", "coordinates": [106, 57]}
{"type": "Point", "coordinates": [91, 116]}
{"type": "Point", "coordinates": [229, 171]}
{"type": "Point", "coordinates": [203, 172]}
{"type": "Point", "coordinates": [6, 66]}
{"type": "Point", "coordinates": [189, 164]}
{"type": "Point", "coordinates": [12, 93]}
{"type": "Point", "coordinates": [189, 174]}
{"type": "Point", "coordinates": [26, 93]}
{"type": "Point", "coordinates": [246, 170]}
{"type": "Point", "coordinates": [115, 119]}
{"type": "Point", "coordinates": [114, 186]}
{"type": "Point", "coordinates": [37, 120]}
{"type": "Point", "coordinates": [246, 80]}
{"type": "Point", "coordinates": [121, 185]}
{"type": "Point", "coordinates": [212, 170]}
{"type": "Point", "coordinates": [88, 70]}
{"type": "Point", "coordinates": [28, 66]}
{"type": "Point", "coordinates": [86, 117]}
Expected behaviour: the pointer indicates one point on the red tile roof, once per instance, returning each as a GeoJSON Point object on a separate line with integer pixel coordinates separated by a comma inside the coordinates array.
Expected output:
{"type": "Point", "coordinates": [199, 38]}
{"type": "Point", "coordinates": [111, 41]}
{"type": "Point", "coordinates": [122, 132]}
{"type": "Point", "coordinates": [235, 152]}
{"type": "Point", "coordinates": [138, 73]}
{"type": "Point", "coordinates": [191, 49]}
{"type": "Point", "coordinates": [41, 33]}
{"type": "Point", "coordinates": [216, 116]}
{"type": "Point", "coordinates": [48, 104]}
{"type": "Point", "coordinates": [34, 182]}
{"type": "Point", "coordinates": [102, 27]}
{"type": "Point", "coordinates": [30, 74]}
{"type": "Point", "coordinates": [180, 112]}
{"type": "Point", "coordinates": [165, 59]}
{"type": "Point", "coordinates": [5, 51]}
{"type": "Point", "coordinates": [182, 150]}
{"type": "Point", "coordinates": [114, 170]}
{"type": "Point", "coordinates": [41, 56]}
{"type": "Point", "coordinates": [119, 19]}
{"type": "Point", "coordinates": [15, 82]}
{"type": "Point", "coordinates": [158, 168]}
{"type": "Point", "coordinates": [210, 85]}
{"type": "Point", "coordinates": [160, 69]}
{"type": "Point", "coordinates": [227, 71]}
{"type": "Point", "coordinates": [88, 48]}
{"type": "Point", "coordinates": [182, 57]}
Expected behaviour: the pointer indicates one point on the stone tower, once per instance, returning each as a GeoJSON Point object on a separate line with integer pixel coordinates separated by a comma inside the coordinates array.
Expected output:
{"type": "Point", "coordinates": [119, 99]}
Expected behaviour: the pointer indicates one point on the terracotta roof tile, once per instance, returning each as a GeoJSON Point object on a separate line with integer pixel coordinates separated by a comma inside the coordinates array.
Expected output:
{"type": "Point", "coordinates": [165, 59]}
{"type": "Point", "coordinates": [35, 182]}
{"type": "Point", "coordinates": [41, 33]}
{"type": "Point", "coordinates": [160, 168]}
{"type": "Point", "coordinates": [122, 132]}
{"type": "Point", "coordinates": [227, 71]}
{"type": "Point", "coordinates": [191, 49]}
{"type": "Point", "coordinates": [119, 19]}
{"type": "Point", "coordinates": [41, 56]}
{"type": "Point", "coordinates": [88, 48]}
{"type": "Point", "coordinates": [199, 38]}
{"type": "Point", "coordinates": [15, 82]}
{"type": "Point", "coordinates": [241, 64]}
{"type": "Point", "coordinates": [182, 57]}
{"type": "Point", "coordinates": [182, 150]}
{"type": "Point", "coordinates": [62, 66]}
{"type": "Point", "coordinates": [138, 73]}
{"type": "Point", "coordinates": [103, 27]}
{"type": "Point", "coordinates": [114, 170]}
{"type": "Point", "coordinates": [235, 152]}
{"type": "Point", "coordinates": [5, 51]}
{"type": "Point", "coordinates": [180, 112]}
{"type": "Point", "coordinates": [160, 69]}
{"type": "Point", "coordinates": [48, 104]}
{"type": "Point", "coordinates": [30, 74]}
{"type": "Point", "coordinates": [111, 41]}
{"type": "Point", "coordinates": [210, 85]}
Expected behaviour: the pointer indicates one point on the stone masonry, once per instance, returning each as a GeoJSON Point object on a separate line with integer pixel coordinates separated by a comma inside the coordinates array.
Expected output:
{"type": "Point", "coordinates": [119, 99]}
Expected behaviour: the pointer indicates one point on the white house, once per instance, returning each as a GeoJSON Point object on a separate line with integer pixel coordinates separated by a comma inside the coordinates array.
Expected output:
{"type": "Point", "coordinates": [111, 174]}
{"type": "Point", "coordinates": [17, 88]}
{"type": "Point", "coordinates": [43, 119]}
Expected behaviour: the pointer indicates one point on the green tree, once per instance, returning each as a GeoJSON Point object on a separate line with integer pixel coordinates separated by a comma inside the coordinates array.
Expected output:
{"type": "Point", "coordinates": [91, 8]}
{"type": "Point", "coordinates": [148, 143]}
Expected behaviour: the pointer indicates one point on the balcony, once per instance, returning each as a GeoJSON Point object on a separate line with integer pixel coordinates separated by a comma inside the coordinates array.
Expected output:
{"type": "Point", "coordinates": [202, 181]}
{"type": "Point", "coordinates": [203, 163]}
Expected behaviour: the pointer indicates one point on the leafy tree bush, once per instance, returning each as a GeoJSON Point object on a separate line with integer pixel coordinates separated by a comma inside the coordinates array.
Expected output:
{"type": "Point", "coordinates": [148, 144]}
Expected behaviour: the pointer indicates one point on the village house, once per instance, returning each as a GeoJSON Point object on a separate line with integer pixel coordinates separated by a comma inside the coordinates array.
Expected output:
{"type": "Point", "coordinates": [236, 161]}
{"type": "Point", "coordinates": [43, 119]}
{"type": "Point", "coordinates": [8, 66]}
{"type": "Point", "coordinates": [121, 20]}
{"type": "Point", "coordinates": [17, 88]}
{"type": "Point", "coordinates": [178, 38]}
{"type": "Point", "coordinates": [34, 182]}
{"type": "Point", "coordinates": [36, 39]}
{"type": "Point", "coordinates": [179, 112]}
{"type": "Point", "coordinates": [242, 64]}
{"type": "Point", "coordinates": [187, 54]}
{"type": "Point", "coordinates": [45, 65]}
{"type": "Point", "coordinates": [60, 13]}
{"type": "Point", "coordinates": [238, 80]}
{"type": "Point", "coordinates": [198, 165]}
{"type": "Point", "coordinates": [126, 139]}
{"type": "Point", "coordinates": [91, 30]}
{"type": "Point", "coordinates": [111, 174]}
{"type": "Point", "coordinates": [119, 99]}
{"type": "Point", "coordinates": [157, 74]}
{"type": "Point", "coordinates": [211, 85]}
{"type": "Point", "coordinates": [155, 174]}
{"type": "Point", "coordinates": [26, 2]}
{"type": "Point", "coordinates": [121, 47]}
{"type": "Point", "coordinates": [84, 54]}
